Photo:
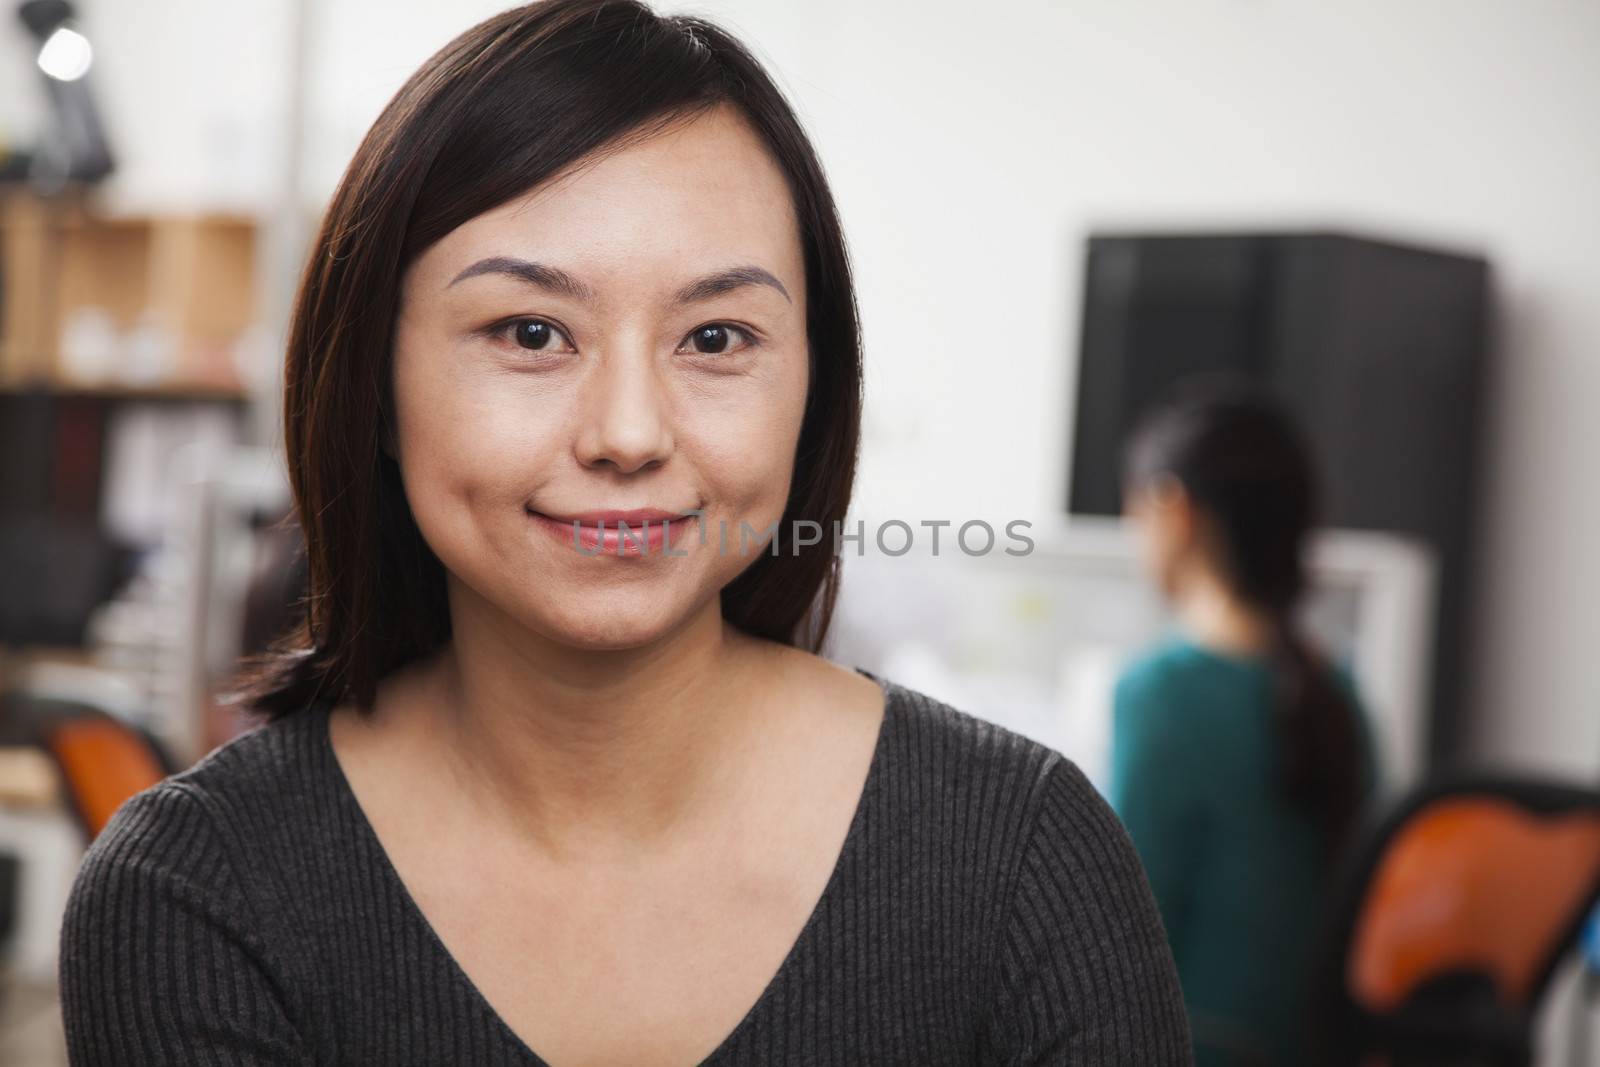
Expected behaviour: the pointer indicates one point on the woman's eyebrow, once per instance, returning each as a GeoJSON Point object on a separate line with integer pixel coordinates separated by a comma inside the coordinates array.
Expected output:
{"type": "Point", "coordinates": [537, 275]}
{"type": "Point", "coordinates": [723, 281]}
{"type": "Point", "coordinates": [555, 280]}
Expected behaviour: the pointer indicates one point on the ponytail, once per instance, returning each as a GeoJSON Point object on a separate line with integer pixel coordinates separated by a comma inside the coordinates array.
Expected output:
{"type": "Point", "coordinates": [1320, 769]}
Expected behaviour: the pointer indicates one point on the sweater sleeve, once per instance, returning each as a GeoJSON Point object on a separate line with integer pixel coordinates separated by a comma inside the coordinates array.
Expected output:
{"type": "Point", "coordinates": [1085, 974]}
{"type": "Point", "coordinates": [161, 961]}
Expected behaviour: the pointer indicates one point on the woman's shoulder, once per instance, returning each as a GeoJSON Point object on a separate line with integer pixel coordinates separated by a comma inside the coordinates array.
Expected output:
{"type": "Point", "coordinates": [959, 775]}
{"type": "Point", "coordinates": [957, 734]}
{"type": "Point", "coordinates": [229, 806]}
{"type": "Point", "coordinates": [1175, 660]}
{"type": "Point", "coordinates": [977, 769]}
{"type": "Point", "coordinates": [167, 885]}
{"type": "Point", "coordinates": [1075, 905]}
{"type": "Point", "coordinates": [927, 747]}
{"type": "Point", "coordinates": [269, 768]}
{"type": "Point", "coordinates": [1187, 692]}
{"type": "Point", "coordinates": [211, 842]}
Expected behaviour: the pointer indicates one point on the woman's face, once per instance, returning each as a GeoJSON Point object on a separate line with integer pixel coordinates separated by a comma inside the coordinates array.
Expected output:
{"type": "Point", "coordinates": [1165, 523]}
{"type": "Point", "coordinates": [629, 337]}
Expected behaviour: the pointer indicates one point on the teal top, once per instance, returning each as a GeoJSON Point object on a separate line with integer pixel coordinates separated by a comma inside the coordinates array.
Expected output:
{"type": "Point", "coordinates": [1237, 872]}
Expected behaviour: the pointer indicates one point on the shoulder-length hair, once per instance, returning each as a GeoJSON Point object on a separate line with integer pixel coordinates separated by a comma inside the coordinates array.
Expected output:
{"type": "Point", "coordinates": [500, 109]}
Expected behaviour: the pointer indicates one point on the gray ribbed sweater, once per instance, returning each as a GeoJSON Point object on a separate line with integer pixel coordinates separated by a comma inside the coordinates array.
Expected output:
{"type": "Point", "coordinates": [986, 908]}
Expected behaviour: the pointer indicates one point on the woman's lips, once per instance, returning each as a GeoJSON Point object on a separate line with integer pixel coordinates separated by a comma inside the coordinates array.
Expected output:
{"type": "Point", "coordinates": [617, 533]}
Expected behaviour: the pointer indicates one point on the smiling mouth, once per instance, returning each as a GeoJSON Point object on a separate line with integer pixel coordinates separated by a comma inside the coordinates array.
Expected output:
{"type": "Point", "coordinates": [635, 532]}
{"type": "Point", "coordinates": [616, 516]}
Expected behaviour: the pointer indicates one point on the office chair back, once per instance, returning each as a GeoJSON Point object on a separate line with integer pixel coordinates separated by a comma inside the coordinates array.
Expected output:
{"type": "Point", "coordinates": [1458, 913]}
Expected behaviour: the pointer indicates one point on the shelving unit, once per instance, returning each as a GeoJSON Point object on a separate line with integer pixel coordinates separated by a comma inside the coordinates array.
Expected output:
{"type": "Point", "coordinates": [118, 343]}
{"type": "Point", "coordinates": [115, 304]}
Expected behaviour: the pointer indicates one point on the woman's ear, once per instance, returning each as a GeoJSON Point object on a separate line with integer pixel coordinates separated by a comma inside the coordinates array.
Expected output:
{"type": "Point", "coordinates": [1166, 496]}
{"type": "Point", "coordinates": [1172, 514]}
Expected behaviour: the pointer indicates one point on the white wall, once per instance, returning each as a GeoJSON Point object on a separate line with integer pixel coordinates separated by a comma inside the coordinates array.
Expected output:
{"type": "Point", "coordinates": [973, 146]}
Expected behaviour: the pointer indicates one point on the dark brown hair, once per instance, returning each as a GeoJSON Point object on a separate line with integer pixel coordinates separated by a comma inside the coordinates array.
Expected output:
{"type": "Point", "coordinates": [503, 107]}
{"type": "Point", "coordinates": [1244, 462]}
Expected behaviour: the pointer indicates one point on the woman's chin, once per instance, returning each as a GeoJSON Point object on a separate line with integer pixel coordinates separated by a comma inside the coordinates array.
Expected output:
{"type": "Point", "coordinates": [600, 629]}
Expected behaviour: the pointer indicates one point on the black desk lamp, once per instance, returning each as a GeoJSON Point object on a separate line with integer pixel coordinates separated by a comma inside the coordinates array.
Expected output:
{"type": "Point", "coordinates": [75, 149]}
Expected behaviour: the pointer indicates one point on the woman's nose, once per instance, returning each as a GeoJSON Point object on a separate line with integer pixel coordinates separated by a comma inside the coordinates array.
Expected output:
{"type": "Point", "coordinates": [624, 419]}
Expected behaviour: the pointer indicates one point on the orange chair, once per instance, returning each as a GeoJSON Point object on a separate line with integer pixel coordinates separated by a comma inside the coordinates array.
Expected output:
{"type": "Point", "coordinates": [1451, 923]}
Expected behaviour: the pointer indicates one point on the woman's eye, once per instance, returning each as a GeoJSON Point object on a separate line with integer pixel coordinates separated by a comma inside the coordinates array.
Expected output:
{"type": "Point", "coordinates": [535, 335]}
{"type": "Point", "coordinates": [717, 339]}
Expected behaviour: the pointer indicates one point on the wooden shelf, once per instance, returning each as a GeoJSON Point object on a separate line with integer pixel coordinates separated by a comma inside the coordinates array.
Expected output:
{"type": "Point", "coordinates": [78, 282]}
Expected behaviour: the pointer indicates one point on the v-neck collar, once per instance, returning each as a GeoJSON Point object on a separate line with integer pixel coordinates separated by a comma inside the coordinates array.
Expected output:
{"type": "Point", "coordinates": [369, 848]}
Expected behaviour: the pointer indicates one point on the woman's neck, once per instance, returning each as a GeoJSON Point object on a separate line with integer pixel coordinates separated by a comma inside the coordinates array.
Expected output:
{"type": "Point", "coordinates": [590, 751]}
{"type": "Point", "coordinates": [1216, 619]}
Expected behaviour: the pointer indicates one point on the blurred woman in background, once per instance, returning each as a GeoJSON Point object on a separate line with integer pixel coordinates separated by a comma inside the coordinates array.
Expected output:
{"type": "Point", "coordinates": [1241, 758]}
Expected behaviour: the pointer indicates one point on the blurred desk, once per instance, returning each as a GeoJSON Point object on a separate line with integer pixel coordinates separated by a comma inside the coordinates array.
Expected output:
{"type": "Point", "coordinates": [28, 778]}
{"type": "Point", "coordinates": [36, 827]}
